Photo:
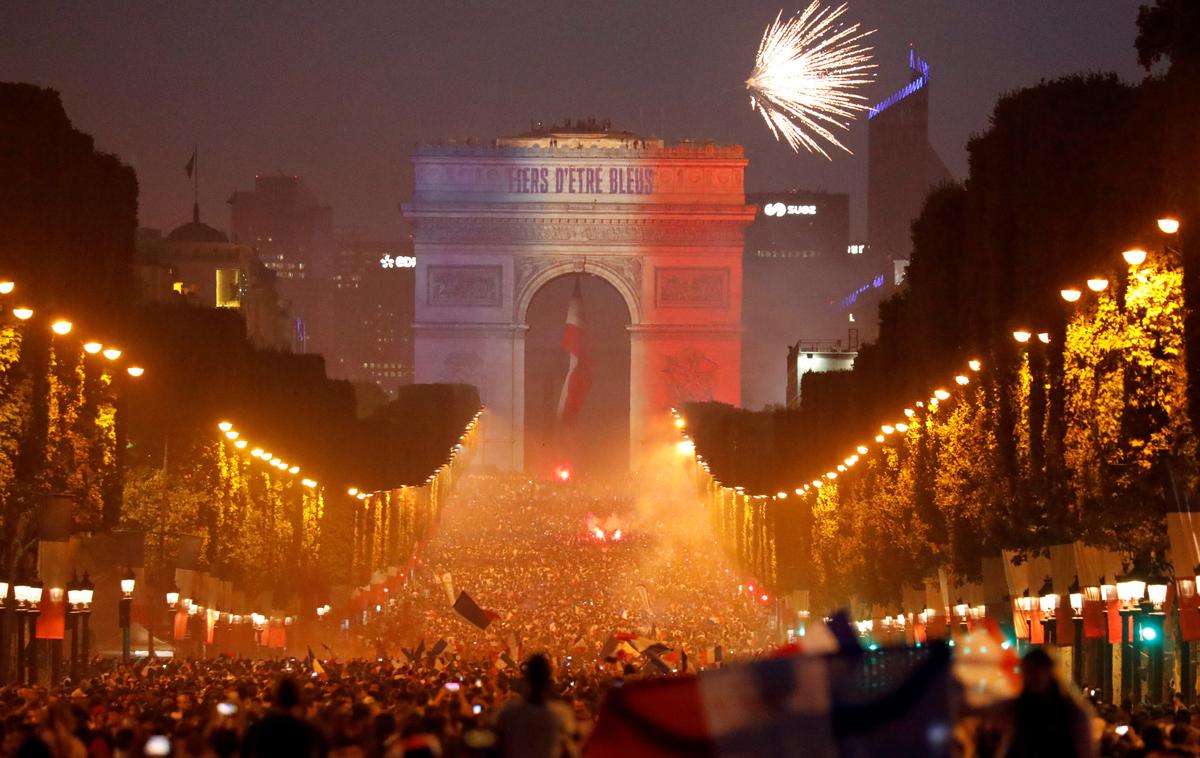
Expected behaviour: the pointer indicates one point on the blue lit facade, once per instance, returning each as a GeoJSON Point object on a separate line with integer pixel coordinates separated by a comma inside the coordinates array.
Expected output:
{"type": "Point", "coordinates": [902, 165]}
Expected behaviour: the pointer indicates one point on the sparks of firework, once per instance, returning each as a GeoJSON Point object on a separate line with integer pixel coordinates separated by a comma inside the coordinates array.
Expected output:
{"type": "Point", "coordinates": [805, 75]}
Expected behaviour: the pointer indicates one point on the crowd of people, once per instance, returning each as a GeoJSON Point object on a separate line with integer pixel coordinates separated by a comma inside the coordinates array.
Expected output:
{"type": "Point", "coordinates": [564, 568]}
{"type": "Point", "coordinates": [582, 587]}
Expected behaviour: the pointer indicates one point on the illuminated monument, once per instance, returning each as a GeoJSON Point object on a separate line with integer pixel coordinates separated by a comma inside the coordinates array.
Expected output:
{"type": "Point", "coordinates": [662, 224]}
{"type": "Point", "coordinates": [902, 165]}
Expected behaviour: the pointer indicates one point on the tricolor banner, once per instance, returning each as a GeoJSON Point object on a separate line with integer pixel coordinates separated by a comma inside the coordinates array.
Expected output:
{"type": "Point", "coordinates": [579, 372]}
{"type": "Point", "coordinates": [798, 706]}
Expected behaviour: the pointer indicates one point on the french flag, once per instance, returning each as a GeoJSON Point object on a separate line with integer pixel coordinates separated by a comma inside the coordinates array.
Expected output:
{"type": "Point", "coordinates": [579, 372]}
{"type": "Point", "coordinates": [807, 704]}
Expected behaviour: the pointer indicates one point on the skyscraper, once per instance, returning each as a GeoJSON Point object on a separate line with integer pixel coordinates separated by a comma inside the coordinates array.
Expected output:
{"type": "Point", "coordinates": [373, 313]}
{"type": "Point", "coordinates": [902, 165]}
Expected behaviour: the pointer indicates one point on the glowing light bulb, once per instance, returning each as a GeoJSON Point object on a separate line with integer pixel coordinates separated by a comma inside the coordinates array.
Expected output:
{"type": "Point", "coordinates": [1168, 225]}
{"type": "Point", "coordinates": [1022, 335]}
{"type": "Point", "coordinates": [61, 327]}
{"type": "Point", "coordinates": [1134, 257]}
{"type": "Point", "coordinates": [902, 428]}
{"type": "Point", "coordinates": [112, 353]}
{"type": "Point", "coordinates": [294, 470]}
{"type": "Point", "coordinates": [352, 491]}
{"type": "Point", "coordinates": [135, 371]}
{"type": "Point", "coordinates": [862, 449]}
{"type": "Point", "coordinates": [231, 435]}
{"type": "Point", "coordinates": [1070, 294]}
{"type": "Point", "coordinates": [879, 438]}
{"type": "Point", "coordinates": [975, 364]}
{"type": "Point", "coordinates": [941, 395]}
{"type": "Point", "coordinates": [240, 444]}
{"type": "Point", "coordinates": [225, 426]}
{"type": "Point", "coordinates": [1044, 338]}
{"type": "Point", "coordinates": [7, 287]}
{"type": "Point", "coordinates": [1097, 284]}
{"type": "Point", "coordinates": [887, 429]}
{"type": "Point", "coordinates": [962, 380]}
{"type": "Point", "coordinates": [23, 313]}
{"type": "Point", "coordinates": [91, 348]}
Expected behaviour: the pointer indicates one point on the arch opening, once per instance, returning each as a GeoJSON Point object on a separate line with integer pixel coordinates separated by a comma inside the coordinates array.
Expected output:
{"type": "Point", "coordinates": [598, 441]}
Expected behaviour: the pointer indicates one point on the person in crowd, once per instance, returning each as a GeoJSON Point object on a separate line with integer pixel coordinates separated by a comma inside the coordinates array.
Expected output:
{"type": "Point", "coordinates": [1046, 719]}
{"type": "Point", "coordinates": [532, 726]}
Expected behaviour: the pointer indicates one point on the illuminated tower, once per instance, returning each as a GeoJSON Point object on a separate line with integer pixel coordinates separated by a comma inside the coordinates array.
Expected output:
{"type": "Point", "coordinates": [902, 165]}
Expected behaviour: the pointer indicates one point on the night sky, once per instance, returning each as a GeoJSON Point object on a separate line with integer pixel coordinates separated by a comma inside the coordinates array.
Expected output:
{"type": "Point", "coordinates": [338, 92]}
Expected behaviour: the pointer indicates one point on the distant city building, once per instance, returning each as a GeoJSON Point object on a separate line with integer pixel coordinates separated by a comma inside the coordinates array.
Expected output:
{"type": "Point", "coordinates": [198, 264]}
{"type": "Point", "coordinates": [797, 266]}
{"type": "Point", "coordinates": [373, 291]}
{"type": "Point", "coordinates": [293, 234]}
{"type": "Point", "coordinates": [817, 357]}
{"type": "Point", "coordinates": [902, 165]}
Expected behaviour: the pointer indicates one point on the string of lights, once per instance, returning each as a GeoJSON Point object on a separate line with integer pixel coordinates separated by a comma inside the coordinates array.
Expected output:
{"type": "Point", "coordinates": [263, 454]}
{"type": "Point", "coordinates": [455, 451]}
{"type": "Point", "coordinates": [1133, 257]}
{"type": "Point", "coordinates": [62, 327]}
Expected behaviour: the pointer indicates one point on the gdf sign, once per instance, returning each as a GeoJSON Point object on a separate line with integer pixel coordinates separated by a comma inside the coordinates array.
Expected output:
{"type": "Point", "coordinates": [783, 209]}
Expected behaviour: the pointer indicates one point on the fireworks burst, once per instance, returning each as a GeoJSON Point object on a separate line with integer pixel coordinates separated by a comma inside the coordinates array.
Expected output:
{"type": "Point", "coordinates": [805, 75]}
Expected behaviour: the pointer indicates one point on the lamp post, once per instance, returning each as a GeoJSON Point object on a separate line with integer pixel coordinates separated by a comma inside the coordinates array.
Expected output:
{"type": "Point", "coordinates": [5, 609]}
{"type": "Point", "coordinates": [1025, 606]}
{"type": "Point", "coordinates": [1130, 591]}
{"type": "Point", "coordinates": [1108, 592]}
{"type": "Point", "coordinates": [73, 604]}
{"type": "Point", "coordinates": [31, 594]}
{"type": "Point", "coordinates": [126, 612]}
{"type": "Point", "coordinates": [87, 591]}
{"type": "Point", "coordinates": [1152, 634]}
{"type": "Point", "coordinates": [1048, 603]}
{"type": "Point", "coordinates": [1186, 588]}
{"type": "Point", "coordinates": [1075, 597]}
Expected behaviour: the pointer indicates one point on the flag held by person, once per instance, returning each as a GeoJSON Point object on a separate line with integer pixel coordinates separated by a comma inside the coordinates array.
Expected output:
{"type": "Point", "coordinates": [466, 607]}
{"type": "Point", "coordinates": [808, 706]}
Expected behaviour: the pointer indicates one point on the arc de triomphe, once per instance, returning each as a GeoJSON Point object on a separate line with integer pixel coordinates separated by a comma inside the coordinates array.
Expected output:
{"type": "Point", "coordinates": [662, 224]}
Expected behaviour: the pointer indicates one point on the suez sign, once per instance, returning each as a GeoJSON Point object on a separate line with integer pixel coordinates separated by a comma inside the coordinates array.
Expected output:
{"type": "Point", "coordinates": [397, 261]}
{"type": "Point", "coordinates": [581, 180]}
{"type": "Point", "coordinates": [783, 209]}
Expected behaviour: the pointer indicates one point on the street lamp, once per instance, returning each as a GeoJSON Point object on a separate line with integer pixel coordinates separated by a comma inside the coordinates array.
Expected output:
{"type": "Point", "coordinates": [73, 603]}
{"type": "Point", "coordinates": [1168, 225]}
{"type": "Point", "coordinates": [5, 610]}
{"type": "Point", "coordinates": [1130, 591]}
{"type": "Point", "coordinates": [28, 595]}
{"type": "Point", "coordinates": [1151, 633]}
{"type": "Point", "coordinates": [1025, 606]}
{"type": "Point", "coordinates": [1022, 335]}
{"type": "Point", "coordinates": [126, 608]}
{"type": "Point", "coordinates": [1048, 603]}
{"type": "Point", "coordinates": [1134, 257]}
{"type": "Point", "coordinates": [1075, 597]}
{"type": "Point", "coordinates": [1070, 294]}
{"type": "Point", "coordinates": [87, 591]}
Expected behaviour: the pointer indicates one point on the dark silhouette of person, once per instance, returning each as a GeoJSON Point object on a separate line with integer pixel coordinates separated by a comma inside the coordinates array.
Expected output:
{"type": "Point", "coordinates": [1046, 719]}
{"type": "Point", "coordinates": [533, 726]}
{"type": "Point", "coordinates": [283, 731]}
